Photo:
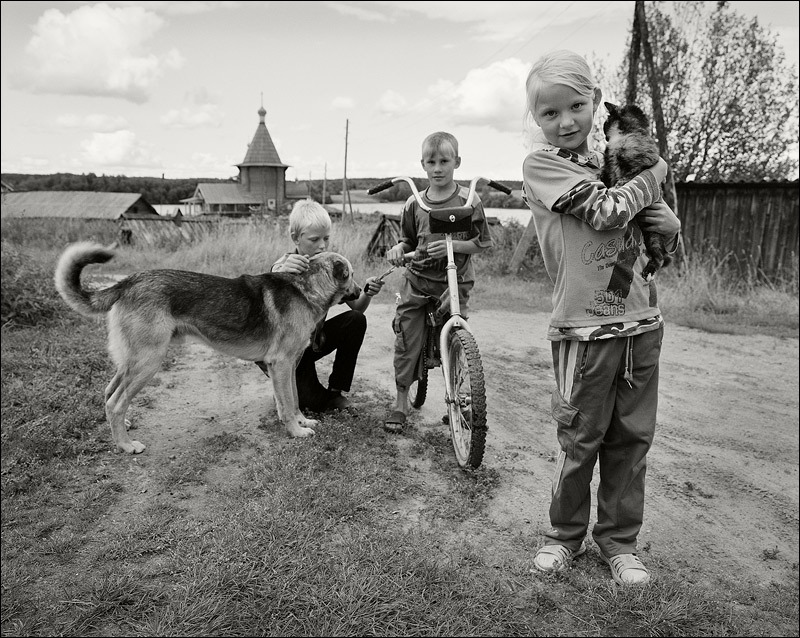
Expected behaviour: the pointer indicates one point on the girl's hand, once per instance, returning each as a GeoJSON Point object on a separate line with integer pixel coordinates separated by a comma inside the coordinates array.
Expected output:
{"type": "Point", "coordinates": [294, 264]}
{"type": "Point", "coordinates": [659, 218]}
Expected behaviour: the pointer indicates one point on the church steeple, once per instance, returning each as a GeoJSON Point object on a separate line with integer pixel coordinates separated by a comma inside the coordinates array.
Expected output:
{"type": "Point", "coordinates": [262, 151]}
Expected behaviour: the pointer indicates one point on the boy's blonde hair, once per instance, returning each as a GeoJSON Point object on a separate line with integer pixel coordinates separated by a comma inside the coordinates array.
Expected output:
{"type": "Point", "coordinates": [559, 67]}
{"type": "Point", "coordinates": [308, 214]}
{"type": "Point", "coordinates": [437, 142]}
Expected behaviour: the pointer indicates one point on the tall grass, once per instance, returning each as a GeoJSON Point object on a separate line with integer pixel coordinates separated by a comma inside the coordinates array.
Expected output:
{"type": "Point", "coordinates": [704, 291]}
{"type": "Point", "coordinates": [709, 292]}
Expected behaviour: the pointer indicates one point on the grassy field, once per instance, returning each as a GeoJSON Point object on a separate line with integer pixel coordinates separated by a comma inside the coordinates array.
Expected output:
{"type": "Point", "coordinates": [295, 542]}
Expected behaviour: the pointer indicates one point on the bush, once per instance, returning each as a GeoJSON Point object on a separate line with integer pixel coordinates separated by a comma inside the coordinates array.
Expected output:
{"type": "Point", "coordinates": [28, 297]}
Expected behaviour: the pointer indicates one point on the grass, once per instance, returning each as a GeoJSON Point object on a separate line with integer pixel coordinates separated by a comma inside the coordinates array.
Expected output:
{"type": "Point", "coordinates": [337, 537]}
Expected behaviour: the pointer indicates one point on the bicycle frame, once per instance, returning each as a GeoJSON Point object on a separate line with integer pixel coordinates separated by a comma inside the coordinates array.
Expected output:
{"type": "Point", "coordinates": [456, 320]}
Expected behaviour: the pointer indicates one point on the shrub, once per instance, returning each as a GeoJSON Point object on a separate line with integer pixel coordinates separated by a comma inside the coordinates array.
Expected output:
{"type": "Point", "coordinates": [28, 296]}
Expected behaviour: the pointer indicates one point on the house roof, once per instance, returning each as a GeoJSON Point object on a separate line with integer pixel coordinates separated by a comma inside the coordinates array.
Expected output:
{"type": "Point", "coordinates": [261, 151]}
{"type": "Point", "coordinates": [224, 193]}
{"type": "Point", "coordinates": [75, 204]}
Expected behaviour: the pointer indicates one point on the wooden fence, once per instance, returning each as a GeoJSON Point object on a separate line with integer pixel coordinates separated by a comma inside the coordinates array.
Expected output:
{"type": "Point", "coordinates": [755, 225]}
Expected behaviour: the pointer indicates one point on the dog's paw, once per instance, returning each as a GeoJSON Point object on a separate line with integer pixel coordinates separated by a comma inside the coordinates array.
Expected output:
{"type": "Point", "coordinates": [301, 432]}
{"type": "Point", "coordinates": [131, 447]}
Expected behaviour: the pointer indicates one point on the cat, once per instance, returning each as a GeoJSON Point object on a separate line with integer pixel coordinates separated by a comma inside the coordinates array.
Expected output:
{"type": "Point", "coordinates": [629, 150]}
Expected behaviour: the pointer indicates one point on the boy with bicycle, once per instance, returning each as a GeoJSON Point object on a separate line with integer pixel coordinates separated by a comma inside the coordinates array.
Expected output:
{"type": "Point", "coordinates": [426, 276]}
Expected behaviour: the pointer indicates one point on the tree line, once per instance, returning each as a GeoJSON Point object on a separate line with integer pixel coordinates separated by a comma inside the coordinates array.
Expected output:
{"type": "Point", "coordinates": [171, 191]}
{"type": "Point", "coordinates": [154, 189]}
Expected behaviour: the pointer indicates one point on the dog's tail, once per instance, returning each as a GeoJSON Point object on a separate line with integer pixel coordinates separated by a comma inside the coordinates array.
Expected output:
{"type": "Point", "coordinates": [68, 278]}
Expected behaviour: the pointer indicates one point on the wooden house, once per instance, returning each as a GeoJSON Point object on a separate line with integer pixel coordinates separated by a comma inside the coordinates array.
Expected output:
{"type": "Point", "coordinates": [88, 205]}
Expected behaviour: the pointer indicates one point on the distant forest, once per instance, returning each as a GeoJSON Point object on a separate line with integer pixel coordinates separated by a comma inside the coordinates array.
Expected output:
{"type": "Point", "coordinates": [170, 191]}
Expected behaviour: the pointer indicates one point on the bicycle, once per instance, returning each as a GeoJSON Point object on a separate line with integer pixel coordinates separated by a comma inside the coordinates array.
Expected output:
{"type": "Point", "coordinates": [449, 341]}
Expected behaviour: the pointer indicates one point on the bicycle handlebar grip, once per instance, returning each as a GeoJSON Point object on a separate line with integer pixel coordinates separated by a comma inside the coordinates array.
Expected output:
{"type": "Point", "coordinates": [500, 187]}
{"type": "Point", "coordinates": [380, 187]}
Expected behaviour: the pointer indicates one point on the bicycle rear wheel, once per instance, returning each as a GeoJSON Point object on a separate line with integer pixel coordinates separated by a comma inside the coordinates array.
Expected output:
{"type": "Point", "coordinates": [467, 409]}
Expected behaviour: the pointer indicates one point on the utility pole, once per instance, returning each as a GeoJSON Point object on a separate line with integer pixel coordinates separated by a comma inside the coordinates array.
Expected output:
{"type": "Point", "coordinates": [324, 182]}
{"type": "Point", "coordinates": [345, 192]}
{"type": "Point", "coordinates": [640, 44]}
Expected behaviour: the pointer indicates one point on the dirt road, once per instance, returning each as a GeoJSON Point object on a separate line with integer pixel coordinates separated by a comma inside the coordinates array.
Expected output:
{"type": "Point", "coordinates": [722, 478]}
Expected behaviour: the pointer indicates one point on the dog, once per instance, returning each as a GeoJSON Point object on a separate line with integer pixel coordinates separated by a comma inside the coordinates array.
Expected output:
{"type": "Point", "coordinates": [267, 318]}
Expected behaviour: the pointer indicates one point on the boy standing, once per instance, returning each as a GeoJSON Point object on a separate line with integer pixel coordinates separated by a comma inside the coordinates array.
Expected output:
{"type": "Point", "coordinates": [310, 230]}
{"type": "Point", "coordinates": [426, 274]}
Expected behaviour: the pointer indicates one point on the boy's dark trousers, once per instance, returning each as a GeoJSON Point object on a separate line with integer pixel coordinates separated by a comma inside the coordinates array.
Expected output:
{"type": "Point", "coordinates": [343, 333]}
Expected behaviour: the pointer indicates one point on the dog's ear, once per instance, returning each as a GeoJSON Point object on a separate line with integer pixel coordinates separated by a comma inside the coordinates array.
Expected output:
{"type": "Point", "coordinates": [611, 108]}
{"type": "Point", "coordinates": [341, 269]}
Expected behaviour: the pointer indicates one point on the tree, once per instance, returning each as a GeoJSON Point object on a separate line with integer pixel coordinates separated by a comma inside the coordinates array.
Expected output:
{"type": "Point", "coordinates": [729, 98]}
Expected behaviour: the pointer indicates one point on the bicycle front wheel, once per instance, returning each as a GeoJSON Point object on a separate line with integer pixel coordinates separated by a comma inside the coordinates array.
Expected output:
{"type": "Point", "coordinates": [467, 406]}
{"type": "Point", "coordinates": [418, 391]}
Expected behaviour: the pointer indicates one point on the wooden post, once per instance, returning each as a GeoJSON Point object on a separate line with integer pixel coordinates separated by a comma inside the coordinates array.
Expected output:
{"type": "Point", "coordinates": [324, 182]}
{"type": "Point", "coordinates": [670, 194]}
{"type": "Point", "coordinates": [658, 114]}
{"type": "Point", "coordinates": [522, 247]}
{"type": "Point", "coordinates": [633, 60]}
{"type": "Point", "coordinates": [345, 192]}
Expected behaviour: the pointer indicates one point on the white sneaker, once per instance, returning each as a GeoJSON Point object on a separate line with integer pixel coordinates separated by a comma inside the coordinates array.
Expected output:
{"type": "Point", "coordinates": [555, 558]}
{"type": "Point", "coordinates": [627, 569]}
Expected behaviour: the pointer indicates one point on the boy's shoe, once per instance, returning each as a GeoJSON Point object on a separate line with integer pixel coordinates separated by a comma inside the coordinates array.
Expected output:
{"type": "Point", "coordinates": [337, 401]}
{"type": "Point", "coordinates": [394, 422]}
{"type": "Point", "coordinates": [555, 558]}
{"type": "Point", "coordinates": [627, 569]}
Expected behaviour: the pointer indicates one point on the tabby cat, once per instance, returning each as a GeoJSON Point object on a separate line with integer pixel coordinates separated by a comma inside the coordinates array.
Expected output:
{"type": "Point", "coordinates": [630, 150]}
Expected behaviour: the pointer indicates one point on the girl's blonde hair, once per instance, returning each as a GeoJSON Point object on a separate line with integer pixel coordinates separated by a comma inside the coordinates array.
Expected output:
{"type": "Point", "coordinates": [308, 214]}
{"type": "Point", "coordinates": [559, 67]}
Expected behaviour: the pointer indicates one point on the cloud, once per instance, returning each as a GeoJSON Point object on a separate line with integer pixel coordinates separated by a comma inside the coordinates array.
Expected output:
{"type": "Point", "coordinates": [507, 22]}
{"type": "Point", "coordinates": [184, 8]}
{"type": "Point", "coordinates": [343, 103]}
{"type": "Point", "coordinates": [489, 96]}
{"type": "Point", "coordinates": [360, 12]}
{"type": "Point", "coordinates": [96, 122]}
{"type": "Point", "coordinates": [392, 103]}
{"type": "Point", "coordinates": [119, 149]}
{"type": "Point", "coordinates": [96, 50]}
{"type": "Point", "coordinates": [200, 116]}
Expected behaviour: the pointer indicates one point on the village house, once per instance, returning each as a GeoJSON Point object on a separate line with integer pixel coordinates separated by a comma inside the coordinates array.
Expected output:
{"type": "Point", "coordinates": [89, 205]}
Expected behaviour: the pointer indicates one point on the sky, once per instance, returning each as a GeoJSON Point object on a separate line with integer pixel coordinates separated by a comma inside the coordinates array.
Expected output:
{"type": "Point", "coordinates": [173, 89]}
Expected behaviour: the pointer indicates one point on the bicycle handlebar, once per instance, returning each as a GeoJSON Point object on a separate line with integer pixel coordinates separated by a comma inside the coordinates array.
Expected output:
{"type": "Point", "coordinates": [380, 187]}
{"type": "Point", "coordinates": [470, 197]}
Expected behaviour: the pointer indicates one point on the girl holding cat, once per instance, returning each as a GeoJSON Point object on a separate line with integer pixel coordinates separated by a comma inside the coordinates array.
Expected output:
{"type": "Point", "coordinates": [606, 327]}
